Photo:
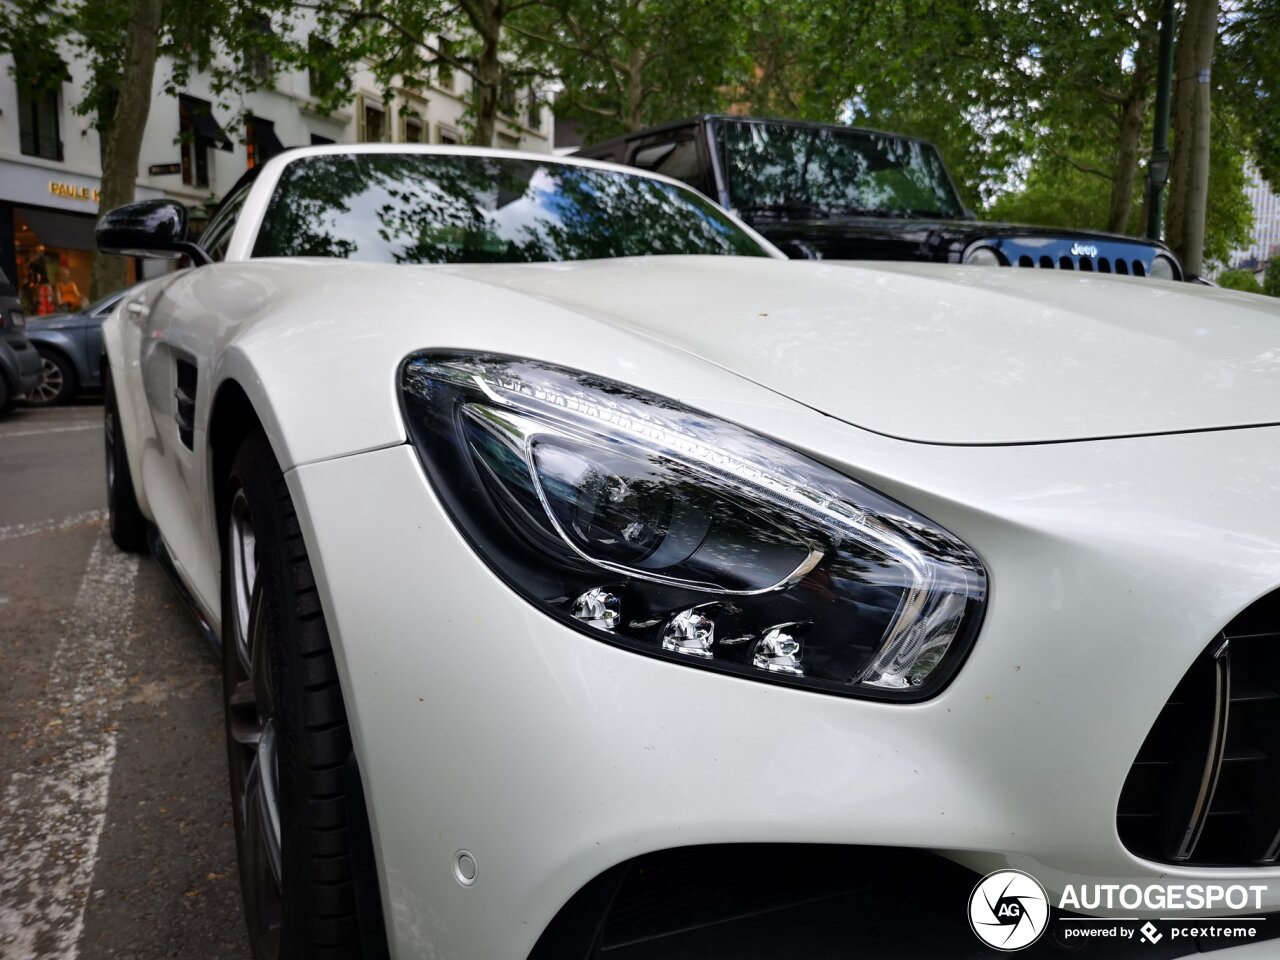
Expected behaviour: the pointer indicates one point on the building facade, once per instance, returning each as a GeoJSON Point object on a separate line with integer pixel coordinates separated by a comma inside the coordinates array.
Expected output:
{"type": "Point", "coordinates": [195, 147]}
{"type": "Point", "coordinates": [1266, 224]}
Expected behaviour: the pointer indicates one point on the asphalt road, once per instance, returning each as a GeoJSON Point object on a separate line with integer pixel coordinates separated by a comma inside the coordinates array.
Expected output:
{"type": "Point", "coordinates": [115, 822]}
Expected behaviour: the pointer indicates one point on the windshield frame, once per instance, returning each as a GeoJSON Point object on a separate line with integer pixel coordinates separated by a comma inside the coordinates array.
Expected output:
{"type": "Point", "coordinates": [718, 135]}
{"type": "Point", "coordinates": [253, 213]}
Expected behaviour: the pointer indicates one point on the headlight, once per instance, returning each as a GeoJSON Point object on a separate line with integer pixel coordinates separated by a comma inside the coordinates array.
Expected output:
{"type": "Point", "coordinates": [1162, 268]}
{"type": "Point", "coordinates": [657, 528]}
{"type": "Point", "coordinates": [983, 257]}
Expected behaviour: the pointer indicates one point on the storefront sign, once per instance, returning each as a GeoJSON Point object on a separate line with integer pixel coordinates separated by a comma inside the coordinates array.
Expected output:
{"type": "Point", "coordinates": [70, 191]}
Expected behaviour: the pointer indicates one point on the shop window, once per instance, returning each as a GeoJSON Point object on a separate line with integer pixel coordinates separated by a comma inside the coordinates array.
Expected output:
{"type": "Point", "coordinates": [260, 141]}
{"type": "Point", "coordinates": [371, 121]}
{"type": "Point", "coordinates": [534, 111]}
{"type": "Point", "coordinates": [444, 59]}
{"type": "Point", "coordinates": [53, 254]}
{"type": "Point", "coordinates": [197, 132]}
{"type": "Point", "coordinates": [38, 123]}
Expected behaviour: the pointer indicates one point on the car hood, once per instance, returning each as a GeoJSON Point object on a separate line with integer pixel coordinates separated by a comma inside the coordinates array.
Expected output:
{"type": "Point", "coordinates": [946, 354]}
{"type": "Point", "coordinates": [55, 321]}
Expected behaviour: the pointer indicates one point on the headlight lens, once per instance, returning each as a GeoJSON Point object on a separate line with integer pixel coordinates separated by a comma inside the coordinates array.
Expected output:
{"type": "Point", "coordinates": [652, 526]}
{"type": "Point", "coordinates": [1162, 268]}
{"type": "Point", "coordinates": [983, 257]}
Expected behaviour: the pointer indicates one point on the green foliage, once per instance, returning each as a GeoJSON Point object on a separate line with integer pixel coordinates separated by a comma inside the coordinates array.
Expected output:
{"type": "Point", "coordinates": [1240, 280]}
{"type": "Point", "coordinates": [1271, 281]}
{"type": "Point", "coordinates": [626, 64]}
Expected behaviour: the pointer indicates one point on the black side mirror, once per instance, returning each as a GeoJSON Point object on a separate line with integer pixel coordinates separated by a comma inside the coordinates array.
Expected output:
{"type": "Point", "coordinates": [150, 228]}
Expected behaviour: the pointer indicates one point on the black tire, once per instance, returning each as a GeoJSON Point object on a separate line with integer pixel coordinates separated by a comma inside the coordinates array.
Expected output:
{"type": "Point", "coordinates": [128, 525]}
{"type": "Point", "coordinates": [281, 688]}
{"type": "Point", "coordinates": [59, 383]}
{"type": "Point", "coordinates": [6, 395]}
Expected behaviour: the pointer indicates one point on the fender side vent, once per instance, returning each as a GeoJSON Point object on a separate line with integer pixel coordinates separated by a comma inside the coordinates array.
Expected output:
{"type": "Point", "coordinates": [1205, 787]}
{"type": "Point", "coordinates": [184, 401]}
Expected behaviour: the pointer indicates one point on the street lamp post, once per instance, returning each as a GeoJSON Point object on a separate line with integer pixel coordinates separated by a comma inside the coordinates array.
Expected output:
{"type": "Point", "coordinates": [1158, 167]}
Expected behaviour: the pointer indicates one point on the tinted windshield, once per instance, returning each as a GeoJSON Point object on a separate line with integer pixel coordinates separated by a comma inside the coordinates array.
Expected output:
{"type": "Point", "coordinates": [796, 171]}
{"type": "Point", "coordinates": [452, 208]}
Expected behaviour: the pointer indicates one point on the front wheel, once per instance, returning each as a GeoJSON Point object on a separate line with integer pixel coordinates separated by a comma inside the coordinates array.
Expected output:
{"type": "Point", "coordinates": [128, 525]}
{"type": "Point", "coordinates": [57, 381]}
{"type": "Point", "coordinates": [287, 734]}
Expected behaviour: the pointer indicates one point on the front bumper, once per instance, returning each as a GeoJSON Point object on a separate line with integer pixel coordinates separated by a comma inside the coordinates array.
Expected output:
{"type": "Point", "coordinates": [483, 725]}
{"type": "Point", "coordinates": [28, 368]}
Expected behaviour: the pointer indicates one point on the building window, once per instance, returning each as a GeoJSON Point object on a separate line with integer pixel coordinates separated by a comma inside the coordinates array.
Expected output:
{"type": "Point", "coordinates": [38, 123]}
{"type": "Point", "coordinates": [257, 52]}
{"type": "Point", "coordinates": [444, 58]}
{"type": "Point", "coordinates": [507, 142]}
{"type": "Point", "coordinates": [446, 134]}
{"type": "Point", "coordinates": [415, 129]}
{"type": "Point", "coordinates": [197, 132]}
{"type": "Point", "coordinates": [534, 111]}
{"type": "Point", "coordinates": [507, 98]}
{"type": "Point", "coordinates": [371, 121]}
{"type": "Point", "coordinates": [318, 141]}
{"type": "Point", "coordinates": [260, 141]}
{"type": "Point", "coordinates": [323, 74]}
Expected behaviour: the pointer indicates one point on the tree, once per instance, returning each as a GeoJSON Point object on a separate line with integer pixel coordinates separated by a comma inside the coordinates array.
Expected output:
{"type": "Point", "coordinates": [1271, 280]}
{"type": "Point", "coordinates": [1240, 280]}
{"type": "Point", "coordinates": [124, 130]}
{"type": "Point", "coordinates": [625, 64]}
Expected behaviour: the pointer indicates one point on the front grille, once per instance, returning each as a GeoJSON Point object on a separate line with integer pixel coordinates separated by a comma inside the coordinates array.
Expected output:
{"type": "Point", "coordinates": [1205, 787]}
{"type": "Point", "coordinates": [1120, 265]}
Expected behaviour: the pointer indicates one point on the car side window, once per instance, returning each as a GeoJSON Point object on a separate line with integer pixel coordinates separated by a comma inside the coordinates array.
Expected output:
{"type": "Point", "coordinates": [217, 235]}
{"type": "Point", "coordinates": [674, 155]}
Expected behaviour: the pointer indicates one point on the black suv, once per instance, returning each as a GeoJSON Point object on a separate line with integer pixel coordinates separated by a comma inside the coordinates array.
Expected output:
{"type": "Point", "coordinates": [827, 191]}
{"type": "Point", "coordinates": [19, 363]}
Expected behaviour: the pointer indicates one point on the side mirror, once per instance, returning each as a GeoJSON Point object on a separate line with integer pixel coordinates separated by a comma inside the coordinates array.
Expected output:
{"type": "Point", "coordinates": [149, 228]}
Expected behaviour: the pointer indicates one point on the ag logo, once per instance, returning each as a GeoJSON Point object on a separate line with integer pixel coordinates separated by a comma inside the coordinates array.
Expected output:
{"type": "Point", "coordinates": [1008, 910]}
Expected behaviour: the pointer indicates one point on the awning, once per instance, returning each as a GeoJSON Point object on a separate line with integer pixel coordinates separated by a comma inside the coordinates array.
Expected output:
{"type": "Point", "coordinates": [200, 113]}
{"type": "Point", "coordinates": [62, 231]}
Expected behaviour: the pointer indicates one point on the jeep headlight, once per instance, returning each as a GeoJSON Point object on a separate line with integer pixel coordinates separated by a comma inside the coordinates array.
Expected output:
{"type": "Point", "coordinates": [983, 257]}
{"type": "Point", "coordinates": [1162, 268]}
{"type": "Point", "coordinates": [649, 525]}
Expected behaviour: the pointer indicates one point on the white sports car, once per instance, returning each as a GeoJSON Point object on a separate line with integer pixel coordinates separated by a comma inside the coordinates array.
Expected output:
{"type": "Point", "coordinates": [592, 581]}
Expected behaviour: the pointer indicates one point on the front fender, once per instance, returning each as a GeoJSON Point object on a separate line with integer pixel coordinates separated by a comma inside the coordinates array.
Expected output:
{"type": "Point", "coordinates": [67, 341]}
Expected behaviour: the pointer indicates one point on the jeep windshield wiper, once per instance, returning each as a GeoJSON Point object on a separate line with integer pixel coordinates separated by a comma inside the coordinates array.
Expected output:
{"type": "Point", "coordinates": [786, 210]}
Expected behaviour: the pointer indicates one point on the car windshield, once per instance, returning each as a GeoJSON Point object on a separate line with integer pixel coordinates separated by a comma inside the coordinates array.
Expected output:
{"type": "Point", "coordinates": [799, 171]}
{"type": "Point", "coordinates": [460, 208]}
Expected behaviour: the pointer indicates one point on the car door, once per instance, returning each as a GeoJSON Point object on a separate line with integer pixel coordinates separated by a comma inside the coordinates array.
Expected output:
{"type": "Point", "coordinates": [678, 153]}
{"type": "Point", "coordinates": [91, 376]}
{"type": "Point", "coordinates": [177, 374]}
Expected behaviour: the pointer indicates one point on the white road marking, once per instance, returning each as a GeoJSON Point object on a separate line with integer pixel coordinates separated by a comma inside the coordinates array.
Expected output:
{"type": "Point", "coordinates": [40, 433]}
{"type": "Point", "coordinates": [52, 815]}
{"type": "Point", "coordinates": [16, 530]}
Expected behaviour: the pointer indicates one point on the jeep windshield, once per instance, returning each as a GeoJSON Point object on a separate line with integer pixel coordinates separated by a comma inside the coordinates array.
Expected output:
{"type": "Point", "coordinates": [799, 171]}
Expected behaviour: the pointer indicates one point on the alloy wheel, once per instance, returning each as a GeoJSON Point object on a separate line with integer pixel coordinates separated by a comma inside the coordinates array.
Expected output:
{"type": "Point", "coordinates": [252, 729]}
{"type": "Point", "coordinates": [51, 384]}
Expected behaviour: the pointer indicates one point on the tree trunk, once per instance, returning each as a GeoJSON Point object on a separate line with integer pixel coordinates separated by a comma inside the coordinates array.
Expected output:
{"type": "Point", "coordinates": [1131, 121]}
{"type": "Point", "coordinates": [486, 19]}
{"type": "Point", "coordinates": [123, 145]}
{"type": "Point", "coordinates": [635, 90]}
{"type": "Point", "coordinates": [1189, 177]}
